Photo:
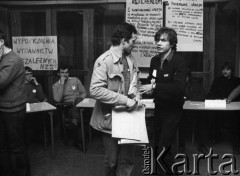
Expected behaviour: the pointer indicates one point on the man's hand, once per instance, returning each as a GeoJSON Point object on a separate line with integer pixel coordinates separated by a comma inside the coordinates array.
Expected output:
{"type": "Point", "coordinates": [34, 80]}
{"type": "Point", "coordinates": [227, 100]}
{"type": "Point", "coordinates": [147, 88]}
{"type": "Point", "coordinates": [131, 104]}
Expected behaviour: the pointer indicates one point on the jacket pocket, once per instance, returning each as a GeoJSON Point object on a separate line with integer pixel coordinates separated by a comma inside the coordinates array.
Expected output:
{"type": "Point", "coordinates": [114, 81]}
{"type": "Point", "coordinates": [106, 123]}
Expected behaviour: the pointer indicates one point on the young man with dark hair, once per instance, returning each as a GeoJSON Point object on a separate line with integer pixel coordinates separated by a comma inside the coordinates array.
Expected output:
{"type": "Point", "coordinates": [114, 71]}
{"type": "Point", "coordinates": [168, 75]}
{"type": "Point", "coordinates": [13, 154]}
{"type": "Point", "coordinates": [69, 90]}
{"type": "Point", "coordinates": [33, 89]}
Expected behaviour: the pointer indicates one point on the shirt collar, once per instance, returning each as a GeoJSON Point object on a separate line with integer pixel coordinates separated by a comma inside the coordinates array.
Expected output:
{"type": "Point", "coordinates": [67, 79]}
{"type": "Point", "coordinates": [168, 58]}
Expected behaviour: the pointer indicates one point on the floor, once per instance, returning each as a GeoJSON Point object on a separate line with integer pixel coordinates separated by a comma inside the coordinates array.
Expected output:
{"type": "Point", "coordinates": [71, 162]}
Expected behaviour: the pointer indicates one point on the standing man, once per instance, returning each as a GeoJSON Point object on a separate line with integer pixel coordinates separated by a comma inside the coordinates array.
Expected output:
{"type": "Point", "coordinates": [13, 154]}
{"type": "Point", "coordinates": [69, 90]}
{"type": "Point", "coordinates": [114, 72]}
{"type": "Point", "coordinates": [168, 75]}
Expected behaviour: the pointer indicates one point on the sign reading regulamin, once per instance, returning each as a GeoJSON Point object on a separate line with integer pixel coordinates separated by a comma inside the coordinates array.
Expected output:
{"type": "Point", "coordinates": [37, 52]}
{"type": "Point", "coordinates": [186, 17]}
{"type": "Point", "coordinates": [147, 17]}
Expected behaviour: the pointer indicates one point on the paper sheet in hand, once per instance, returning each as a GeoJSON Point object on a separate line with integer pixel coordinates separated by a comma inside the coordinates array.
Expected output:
{"type": "Point", "coordinates": [130, 126]}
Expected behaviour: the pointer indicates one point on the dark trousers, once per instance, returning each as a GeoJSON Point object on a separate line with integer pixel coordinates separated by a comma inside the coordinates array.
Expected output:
{"type": "Point", "coordinates": [13, 155]}
{"type": "Point", "coordinates": [118, 159]}
{"type": "Point", "coordinates": [167, 121]}
{"type": "Point", "coordinates": [71, 112]}
{"type": "Point", "coordinates": [228, 121]}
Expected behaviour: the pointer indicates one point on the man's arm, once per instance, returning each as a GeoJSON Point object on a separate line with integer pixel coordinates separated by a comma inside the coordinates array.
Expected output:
{"type": "Point", "coordinates": [82, 90]}
{"type": "Point", "coordinates": [234, 94]}
{"type": "Point", "coordinates": [82, 93]}
{"type": "Point", "coordinates": [8, 72]}
{"type": "Point", "coordinates": [40, 95]}
{"type": "Point", "coordinates": [58, 89]}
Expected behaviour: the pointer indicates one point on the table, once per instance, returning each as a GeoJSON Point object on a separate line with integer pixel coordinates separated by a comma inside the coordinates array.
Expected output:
{"type": "Point", "coordinates": [90, 103]}
{"type": "Point", "coordinates": [200, 105]}
{"type": "Point", "coordinates": [40, 107]}
{"type": "Point", "coordinates": [86, 103]}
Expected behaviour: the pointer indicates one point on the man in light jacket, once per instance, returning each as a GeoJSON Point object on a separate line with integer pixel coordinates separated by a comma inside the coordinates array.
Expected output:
{"type": "Point", "coordinates": [114, 82]}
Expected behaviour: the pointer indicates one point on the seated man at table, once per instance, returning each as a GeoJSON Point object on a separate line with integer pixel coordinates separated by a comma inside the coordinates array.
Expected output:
{"type": "Point", "coordinates": [35, 94]}
{"type": "Point", "coordinates": [33, 89]}
{"type": "Point", "coordinates": [70, 91]}
{"type": "Point", "coordinates": [221, 88]}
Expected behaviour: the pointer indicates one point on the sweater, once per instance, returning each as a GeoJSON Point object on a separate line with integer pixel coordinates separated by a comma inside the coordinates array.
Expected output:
{"type": "Point", "coordinates": [34, 93]}
{"type": "Point", "coordinates": [12, 83]}
{"type": "Point", "coordinates": [68, 92]}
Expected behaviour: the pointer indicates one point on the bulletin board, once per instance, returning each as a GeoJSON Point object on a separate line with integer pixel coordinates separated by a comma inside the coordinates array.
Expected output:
{"type": "Point", "coordinates": [148, 19]}
{"type": "Point", "coordinates": [185, 16]}
{"type": "Point", "coordinates": [37, 52]}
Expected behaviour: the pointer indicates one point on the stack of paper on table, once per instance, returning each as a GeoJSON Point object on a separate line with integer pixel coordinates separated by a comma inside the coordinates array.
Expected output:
{"type": "Point", "coordinates": [215, 104]}
{"type": "Point", "coordinates": [129, 127]}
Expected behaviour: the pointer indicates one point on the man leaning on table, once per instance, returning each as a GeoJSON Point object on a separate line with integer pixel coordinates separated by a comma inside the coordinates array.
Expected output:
{"type": "Point", "coordinates": [223, 87]}
{"type": "Point", "coordinates": [13, 155]}
{"type": "Point", "coordinates": [114, 72]}
{"type": "Point", "coordinates": [69, 90]}
{"type": "Point", "coordinates": [33, 90]}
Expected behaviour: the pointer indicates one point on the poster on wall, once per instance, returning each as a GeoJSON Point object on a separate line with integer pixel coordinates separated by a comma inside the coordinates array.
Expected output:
{"type": "Point", "coordinates": [147, 17]}
{"type": "Point", "coordinates": [186, 17]}
{"type": "Point", "coordinates": [37, 52]}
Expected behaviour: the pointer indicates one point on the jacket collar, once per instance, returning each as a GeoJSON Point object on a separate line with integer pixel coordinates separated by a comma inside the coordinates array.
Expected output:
{"type": "Point", "coordinates": [117, 55]}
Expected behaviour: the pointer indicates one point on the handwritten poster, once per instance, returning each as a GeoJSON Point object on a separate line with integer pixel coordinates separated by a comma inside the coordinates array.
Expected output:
{"type": "Point", "coordinates": [186, 17]}
{"type": "Point", "coordinates": [38, 52]}
{"type": "Point", "coordinates": [147, 17]}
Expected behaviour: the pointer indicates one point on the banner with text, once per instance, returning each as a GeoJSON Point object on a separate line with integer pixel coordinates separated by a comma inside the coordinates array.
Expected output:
{"type": "Point", "coordinates": [147, 17]}
{"type": "Point", "coordinates": [37, 52]}
{"type": "Point", "coordinates": [186, 17]}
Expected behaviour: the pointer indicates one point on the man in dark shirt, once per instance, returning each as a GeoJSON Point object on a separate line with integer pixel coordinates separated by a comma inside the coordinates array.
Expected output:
{"type": "Point", "coordinates": [33, 89]}
{"type": "Point", "coordinates": [168, 75]}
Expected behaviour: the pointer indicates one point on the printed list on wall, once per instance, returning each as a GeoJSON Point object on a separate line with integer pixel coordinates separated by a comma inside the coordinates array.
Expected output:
{"type": "Point", "coordinates": [147, 17]}
{"type": "Point", "coordinates": [37, 52]}
{"type": "Point", "coordinates": [186, 17]}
